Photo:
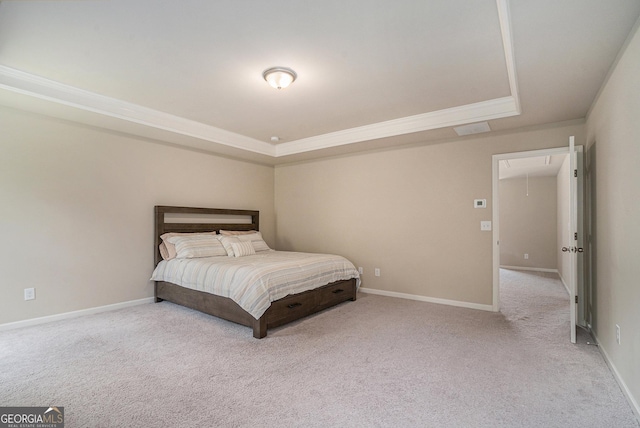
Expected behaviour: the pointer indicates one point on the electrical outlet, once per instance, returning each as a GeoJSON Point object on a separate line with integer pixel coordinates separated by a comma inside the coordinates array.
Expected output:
{"type": "Point", "coordinates": [485, 226]}
{"type": "Point", "coordinates": [377, 272]}
{"type": "Point", "coordinates": [526, 256]}
{"type": "Point", "coordinates": [360, 270]}
{"type": "Point", "coordinates": [29, 293]}
{"type": "Point", "coordinates": [618, 334]}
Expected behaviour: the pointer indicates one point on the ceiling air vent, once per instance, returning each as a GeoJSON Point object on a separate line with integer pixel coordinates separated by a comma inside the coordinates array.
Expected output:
{"type": "Point", "coordinates": [474, 128]}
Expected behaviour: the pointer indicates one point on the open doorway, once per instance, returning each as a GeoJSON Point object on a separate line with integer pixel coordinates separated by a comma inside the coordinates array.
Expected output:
{"type": "Point", "coordinates": [532, 192]}
{"type": "Point", "coordinates": [531, 212]}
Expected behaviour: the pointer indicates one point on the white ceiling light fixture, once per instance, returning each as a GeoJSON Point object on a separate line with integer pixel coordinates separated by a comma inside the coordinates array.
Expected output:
{"type": "Point", "coordinates": [279, 77]}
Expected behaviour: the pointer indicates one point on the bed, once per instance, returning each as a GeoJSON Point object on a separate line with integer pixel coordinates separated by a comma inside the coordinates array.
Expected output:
{"type": "Point", "coordinates": [318, 295]}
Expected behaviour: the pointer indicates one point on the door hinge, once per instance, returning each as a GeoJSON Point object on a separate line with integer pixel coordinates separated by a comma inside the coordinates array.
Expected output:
{"type": "Point", "coordinates": [576, 299]}
{"type": "Point", "coordinates": [575, 173]}
{"type": "Point", "coordinates": [575, 236]}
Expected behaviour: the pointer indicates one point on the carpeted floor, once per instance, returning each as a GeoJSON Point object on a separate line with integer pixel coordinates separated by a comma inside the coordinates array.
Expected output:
{"type": "Point", "coordinates": [376, 362]}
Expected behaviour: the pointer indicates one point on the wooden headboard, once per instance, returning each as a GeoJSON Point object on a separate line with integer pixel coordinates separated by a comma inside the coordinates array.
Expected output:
{"type": "Point", "coordinates": [164, 225]}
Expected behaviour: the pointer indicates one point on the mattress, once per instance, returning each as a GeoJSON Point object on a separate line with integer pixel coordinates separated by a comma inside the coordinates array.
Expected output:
{"type": "Point", "coordinates": [254, 281]}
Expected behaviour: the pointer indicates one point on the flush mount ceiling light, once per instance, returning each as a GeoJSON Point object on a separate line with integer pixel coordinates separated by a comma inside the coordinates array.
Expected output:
{"type": "Point", "coordinates": [279, 77]}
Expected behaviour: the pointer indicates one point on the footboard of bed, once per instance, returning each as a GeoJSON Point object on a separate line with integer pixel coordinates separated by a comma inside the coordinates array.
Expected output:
{"type": "Point", "coordinates": [283, 311]}
{"type": "Point", "coordinates": [296, 306]}
{"type": "Point", "coordinates": [221, 307]}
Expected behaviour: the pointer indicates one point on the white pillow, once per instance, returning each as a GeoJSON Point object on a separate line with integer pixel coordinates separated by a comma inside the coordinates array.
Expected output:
{"type": "Point", "coordinates": [226, 241]}
{"type": "Point", "coordinates": [241, 249]}
{"type": "Point", "coordinates": [168, 250]}
{"type": "Point", "coordinates": [256, 240]}
{"type": "Point", "coordinates": [188, 247]}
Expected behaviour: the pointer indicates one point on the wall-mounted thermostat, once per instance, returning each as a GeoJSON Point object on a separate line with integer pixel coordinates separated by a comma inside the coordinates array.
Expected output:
{"type": "Point", "coordinates": [479, 203]}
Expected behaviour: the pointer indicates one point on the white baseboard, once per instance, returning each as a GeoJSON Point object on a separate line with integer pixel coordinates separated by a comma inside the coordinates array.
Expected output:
{"type": "Point", "coordinates": [566, 287]}
{"type": "Point", "coordinates": [529, 268]}
{"type": "Point", "coordinates": [74, 314]}
{"type": "Point", "coordinates": [468, 305]}
{"type": "Point", "coordinates": [625, 390]}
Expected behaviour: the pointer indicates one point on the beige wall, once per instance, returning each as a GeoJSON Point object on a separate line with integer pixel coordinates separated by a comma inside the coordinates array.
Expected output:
{"type": "Point", "coordinates": [613, 171]}
{"type": "Point", "coordinates": [77, 210]}
{"type": "Point", "coordinates": [528, 222]}
{"type": "Point", "coordinates": [407, 211]}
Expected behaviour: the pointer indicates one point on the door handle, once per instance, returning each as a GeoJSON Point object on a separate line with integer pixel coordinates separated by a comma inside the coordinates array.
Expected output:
{"type": "Point", "coordinates": [565, 249]}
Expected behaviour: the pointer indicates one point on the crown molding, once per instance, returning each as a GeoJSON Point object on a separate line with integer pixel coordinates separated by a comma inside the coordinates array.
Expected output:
{"type": "Point", "coordinates": [504, 17]}
{"type": "Point", "coordinates": [44, 89]}
{"type": "Point", "coordinates": [486, 110]}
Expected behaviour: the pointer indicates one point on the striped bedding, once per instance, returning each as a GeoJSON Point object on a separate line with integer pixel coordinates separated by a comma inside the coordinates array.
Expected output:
{"type": "Point", "coordinates": [254, 281]}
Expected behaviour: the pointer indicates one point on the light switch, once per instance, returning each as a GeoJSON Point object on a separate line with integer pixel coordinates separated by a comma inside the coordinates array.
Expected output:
{"type": "Point", "coordinates": [485, 225]}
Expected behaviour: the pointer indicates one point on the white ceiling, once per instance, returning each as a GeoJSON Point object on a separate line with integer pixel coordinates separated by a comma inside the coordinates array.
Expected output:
{"type": "Point", "coordinates": [534, 166]}
{"type": "Point", "coordinates": [370, 74]}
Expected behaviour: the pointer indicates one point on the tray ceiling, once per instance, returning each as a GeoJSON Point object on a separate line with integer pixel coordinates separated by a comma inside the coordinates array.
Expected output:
{"type": "Point", "coordinates": [190, 72]}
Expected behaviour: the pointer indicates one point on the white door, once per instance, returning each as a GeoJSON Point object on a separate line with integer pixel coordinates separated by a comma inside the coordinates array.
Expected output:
{"type": "Point", "coordinates": [573, 238]}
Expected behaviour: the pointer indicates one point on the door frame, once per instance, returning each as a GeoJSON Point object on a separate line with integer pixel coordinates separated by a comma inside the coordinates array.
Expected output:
{"type": "Point", "coordinates": [496, 212]}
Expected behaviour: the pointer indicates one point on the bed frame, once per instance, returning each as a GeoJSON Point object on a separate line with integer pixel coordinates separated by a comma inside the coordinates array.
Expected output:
{"type": "Point", "coordinates": [283, 311]}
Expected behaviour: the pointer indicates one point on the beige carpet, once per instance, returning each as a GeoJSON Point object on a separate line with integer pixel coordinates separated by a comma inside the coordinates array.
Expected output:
{"type": "Point", "coordinates": [376, 362]}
